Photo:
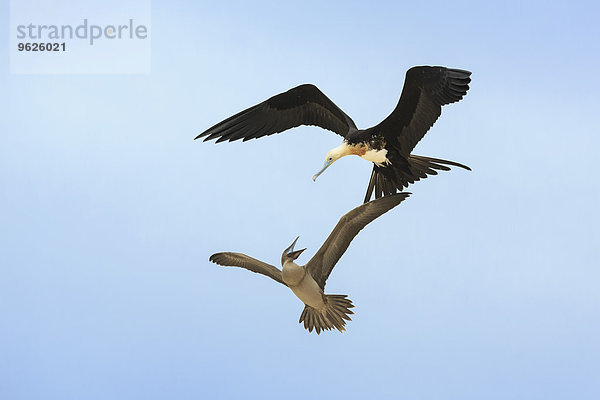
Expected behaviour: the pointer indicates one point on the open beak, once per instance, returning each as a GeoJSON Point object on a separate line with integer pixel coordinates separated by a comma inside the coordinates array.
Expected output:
{"type": "Point", "coordinates": [290, 250]}
{"type": "Point", "coordinates": [325, 166]}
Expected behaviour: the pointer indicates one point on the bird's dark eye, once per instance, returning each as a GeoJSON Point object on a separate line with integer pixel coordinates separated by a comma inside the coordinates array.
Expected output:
{"type": "Point", "coordinates": [330, 158]}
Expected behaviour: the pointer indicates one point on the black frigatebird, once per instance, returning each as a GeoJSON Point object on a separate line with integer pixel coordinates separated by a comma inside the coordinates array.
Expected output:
{"type": "Point", "coordinates": [388, 144]}
{"type": "Point", "coordinates": [321, 311]}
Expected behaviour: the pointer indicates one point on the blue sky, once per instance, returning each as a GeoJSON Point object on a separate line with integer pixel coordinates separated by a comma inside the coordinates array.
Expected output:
{"type": "Point", "coordinates": [482, 284]}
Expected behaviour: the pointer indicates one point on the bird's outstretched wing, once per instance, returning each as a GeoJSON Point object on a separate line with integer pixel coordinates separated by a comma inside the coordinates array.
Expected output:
{"type": "Point", "coordinates": [302, 105]}
{"type": "Point", "coordinates": [322, 263]}
{"type": "Point", "coordinates": [244, 261]}
{"type": "Point", "coordinates": [426, 90]}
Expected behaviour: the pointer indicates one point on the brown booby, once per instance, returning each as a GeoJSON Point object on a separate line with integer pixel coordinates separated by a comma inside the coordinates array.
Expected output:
{"type": "Point", "coordinates": [321, 311]}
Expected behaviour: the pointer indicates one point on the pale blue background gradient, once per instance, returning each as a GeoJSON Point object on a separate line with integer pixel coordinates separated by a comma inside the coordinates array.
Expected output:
{"type": "Point", "coordinates": [482, 285]}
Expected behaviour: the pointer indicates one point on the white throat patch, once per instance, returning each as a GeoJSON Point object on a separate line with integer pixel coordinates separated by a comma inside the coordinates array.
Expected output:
{"type": "Point", "coordinates": [379, 157]}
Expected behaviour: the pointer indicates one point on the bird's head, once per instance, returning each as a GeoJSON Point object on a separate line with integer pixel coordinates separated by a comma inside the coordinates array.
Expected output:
{"type": "Point", "coordinates": [289, 254]}
{"type": "Point", "coordinates": [332, 156]}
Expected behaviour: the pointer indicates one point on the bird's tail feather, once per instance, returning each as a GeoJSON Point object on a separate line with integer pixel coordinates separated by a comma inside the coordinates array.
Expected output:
{"type": "Point", "coordinates": [334, 315]}
{"type": "Point", "coordinates": [436, 163]}
{"type": "Point", "coordinates": [389, 179]}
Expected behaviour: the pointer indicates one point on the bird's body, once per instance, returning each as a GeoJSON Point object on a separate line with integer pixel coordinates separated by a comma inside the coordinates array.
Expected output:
{"type": "Point", "coordinates": [321, 311]}
{"type": "Point", "coordinates": [388, 145]}
{"type": "Point", "coordinates": [301, 282]}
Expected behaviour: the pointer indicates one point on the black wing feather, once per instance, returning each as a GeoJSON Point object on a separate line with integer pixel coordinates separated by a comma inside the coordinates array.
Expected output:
{"type": "Point", "coordinates": [302, 105]}
{"type": "Point", "coordinates": [426, 90]}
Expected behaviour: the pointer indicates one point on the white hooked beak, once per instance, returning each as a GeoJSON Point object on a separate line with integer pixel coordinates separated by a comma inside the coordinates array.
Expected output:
{"type": "Point", "coordinates": [328, 162]}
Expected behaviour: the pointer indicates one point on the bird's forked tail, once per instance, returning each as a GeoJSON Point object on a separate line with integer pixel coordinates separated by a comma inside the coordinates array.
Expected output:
{"type": "Point", "coordinates": [387, 180]}
{"type": "Point", "coordinates": [334, 315]}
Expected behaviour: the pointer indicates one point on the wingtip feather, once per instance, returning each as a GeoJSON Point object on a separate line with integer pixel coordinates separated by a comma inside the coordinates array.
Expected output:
{"type": "Point", "coordinates": [219, 259]}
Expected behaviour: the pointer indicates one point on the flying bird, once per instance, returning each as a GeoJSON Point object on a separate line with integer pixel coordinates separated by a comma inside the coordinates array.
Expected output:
{"type": "Point", "coordinates": [321, 311]}
{"type": "Point", "coordinates": [388, 145]}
